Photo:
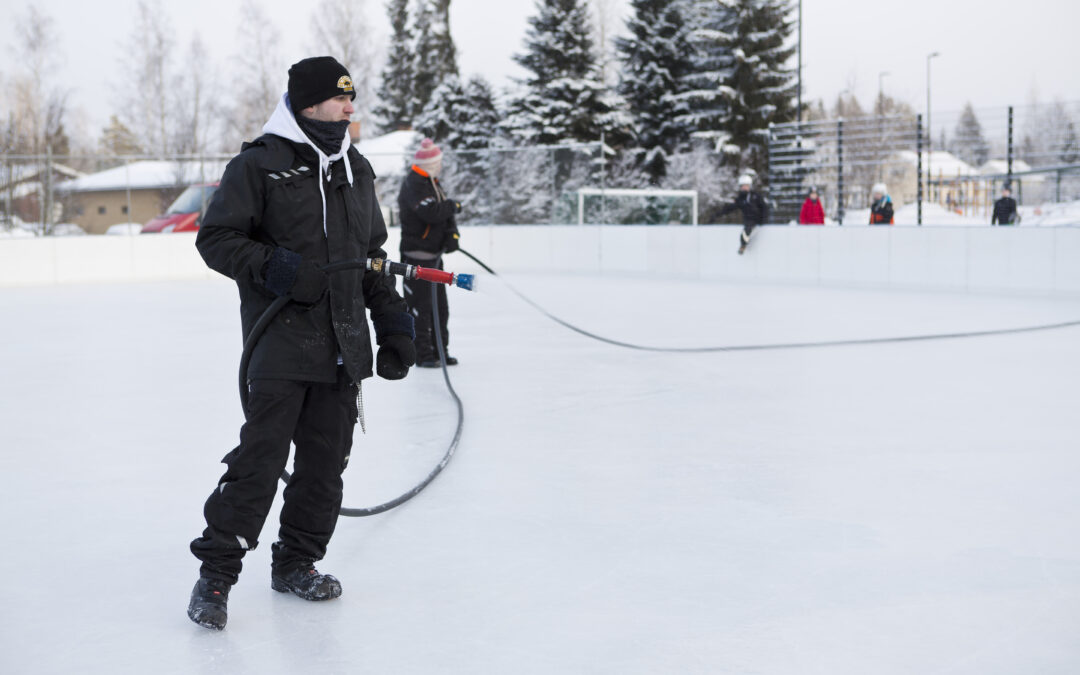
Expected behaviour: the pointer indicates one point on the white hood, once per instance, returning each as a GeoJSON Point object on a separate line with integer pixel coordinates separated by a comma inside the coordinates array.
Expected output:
{"type": "Point", "coordinates": [283, 123]}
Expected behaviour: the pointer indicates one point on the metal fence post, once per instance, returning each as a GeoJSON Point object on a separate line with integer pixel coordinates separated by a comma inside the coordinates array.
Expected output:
{"type": "Point", "coordinates": [918, 166]}
{"type": "Point", "coordinates": [840, 171]}
{"type": "Point", "coordinates": [7, 182]}
{"type": "Point", "coordinates": [1009, 153]}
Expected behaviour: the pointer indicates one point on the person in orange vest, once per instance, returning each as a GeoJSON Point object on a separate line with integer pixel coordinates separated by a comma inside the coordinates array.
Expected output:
{"type": "Point", "coordinates": [428, 230]}
{"type": "Point", "coordinates": [812, 213]}
{"type": "Point", "coordinates": [881, 210]}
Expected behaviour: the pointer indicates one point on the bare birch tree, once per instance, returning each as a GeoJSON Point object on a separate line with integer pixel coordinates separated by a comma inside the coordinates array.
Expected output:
{"type": "Point", "coordinates": [343, 30]}
{"type": "Point", "coordinates": [259, 74]}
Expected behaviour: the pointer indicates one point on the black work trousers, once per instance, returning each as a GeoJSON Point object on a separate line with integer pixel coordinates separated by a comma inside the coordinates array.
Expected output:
{"type": "Point", "coordinates": [317, 417]}
{"type": "Point", "coordinates": [418, 296]}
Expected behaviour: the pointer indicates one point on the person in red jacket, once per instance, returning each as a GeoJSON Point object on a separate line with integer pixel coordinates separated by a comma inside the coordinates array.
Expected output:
{"type": "Point", "coordinates": [812, 212]}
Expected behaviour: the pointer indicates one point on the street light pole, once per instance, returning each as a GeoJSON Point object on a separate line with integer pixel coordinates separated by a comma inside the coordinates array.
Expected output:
{"type": "Point", "coordinates": [929, 129]}
{"type": "Point", "coordinates": [881, 92]}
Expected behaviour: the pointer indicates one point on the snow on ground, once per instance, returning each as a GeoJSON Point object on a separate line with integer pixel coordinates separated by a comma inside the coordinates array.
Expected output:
{"type": "Point", "coordinates": [905, 508]}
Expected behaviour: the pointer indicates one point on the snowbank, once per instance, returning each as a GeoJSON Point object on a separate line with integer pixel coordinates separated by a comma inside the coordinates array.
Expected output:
{"type": "Point", "coordinates": [389, 154]}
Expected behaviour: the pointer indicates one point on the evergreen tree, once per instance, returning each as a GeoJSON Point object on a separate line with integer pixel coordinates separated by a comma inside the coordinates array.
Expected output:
{"type": "Point", "coordinates": [117, 139]}
{"type": "Point", "coordinates": [463, 121]}
{"type": "Point", "coordinates": [476, 119]}
{"type": "Point", "coordinates": [1069, 153]}
{"type": "Point", "coordinates": [704, 86]}
{"type": "Point", "coordinates": [968, 143]}
{"type": "Point", "coordinates": [564, 99]}
{"type": "Point", "coordinates": [655, 61]}
{"type": "Point", "coordinates": [394, 107]}
{"type": "Point", "coordinates": [739, 81]}
{"type": "Point", "coordinates": [761, 80]}
{"type": "Point", "coordinates": [436, 56]}
{"type": "Point", "coordinates": [441, 118]}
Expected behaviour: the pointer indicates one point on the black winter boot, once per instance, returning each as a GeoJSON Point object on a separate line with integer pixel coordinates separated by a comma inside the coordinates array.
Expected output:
{"type": "Point", "coordinates": [208, 605]}
{"type": "Point", "coordinates": [307, 583]}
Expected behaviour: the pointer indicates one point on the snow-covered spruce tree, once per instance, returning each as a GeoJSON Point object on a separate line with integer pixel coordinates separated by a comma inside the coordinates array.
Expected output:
{"type": "Point", "coordinates": [463, 121]}
{"type": "Point", "coordinates": [564, 99]}
{"type": "Point", "coordinates": [968, 143]}
{"type": "Point", "coordinates": [436, 56]}
{"type": "Point", "coordinates": [743, 46]}
{"type": "Point", "coordinates": [440, 118]}
{"type": "Point", "coordinates": [477, 121]}
{"type": "Point", "coordinates": [394, 106]}
{"type": "Point", "coordinates": [703, 88]}
{"type": "Point", "coordinates": [655, 61]}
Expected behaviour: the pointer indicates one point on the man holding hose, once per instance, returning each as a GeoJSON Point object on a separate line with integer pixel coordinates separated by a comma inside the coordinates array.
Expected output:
{"type": "Point", "coordinates": [294, 199]}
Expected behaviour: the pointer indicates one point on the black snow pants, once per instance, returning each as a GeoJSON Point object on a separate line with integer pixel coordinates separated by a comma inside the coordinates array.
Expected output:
{"type": "Point", "coordinates": [418, 296]}
{"type": "Point", "coordinates": [319, 419]}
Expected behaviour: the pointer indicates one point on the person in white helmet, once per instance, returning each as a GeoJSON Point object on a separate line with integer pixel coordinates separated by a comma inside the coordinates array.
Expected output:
{"type": "Point", "coordinates": [881, 209]}
{"type": "Point", "coordinates": [754, 209]}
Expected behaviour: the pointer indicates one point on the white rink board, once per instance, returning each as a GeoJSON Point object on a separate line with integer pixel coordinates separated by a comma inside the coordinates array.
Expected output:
{"type": "Point", "coordinates": [1039, 260]}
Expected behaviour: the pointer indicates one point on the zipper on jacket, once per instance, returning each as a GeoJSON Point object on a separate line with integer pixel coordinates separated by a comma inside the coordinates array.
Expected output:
{"type": "Point", "coordinates": [360, 407]}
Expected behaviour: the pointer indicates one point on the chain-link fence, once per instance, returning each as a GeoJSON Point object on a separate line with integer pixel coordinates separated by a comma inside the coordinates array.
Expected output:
{"type": "Point", "coordinates": [950, 170]}
{"type": "Point", "coordinates": [44, 195]}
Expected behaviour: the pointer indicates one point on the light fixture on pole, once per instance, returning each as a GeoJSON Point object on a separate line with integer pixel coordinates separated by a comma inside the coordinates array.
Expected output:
{"type": "Point", "coordinates": [929, 129]}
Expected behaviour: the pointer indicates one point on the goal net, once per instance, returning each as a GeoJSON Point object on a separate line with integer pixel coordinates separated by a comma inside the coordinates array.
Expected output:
{"type": "Point", "coordinates": [592, 206]}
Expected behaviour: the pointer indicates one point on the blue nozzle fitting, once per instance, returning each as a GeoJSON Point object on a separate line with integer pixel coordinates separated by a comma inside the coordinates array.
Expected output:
{"type": "Point", "coordinates": [464, 281]}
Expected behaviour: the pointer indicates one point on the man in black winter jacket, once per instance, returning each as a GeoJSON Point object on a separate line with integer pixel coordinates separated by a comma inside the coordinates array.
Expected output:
{"type": "Point", "coordinates": [1004, 209]}
{"type": "Point", "coordinates": [295, 199]}
{"type": "Point", "coordinates": [428, 229]}
{"type": "Point", "coordinates": [754, 210]}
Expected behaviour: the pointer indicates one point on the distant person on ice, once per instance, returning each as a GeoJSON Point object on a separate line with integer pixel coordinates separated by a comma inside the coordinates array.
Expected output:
{"type": "Point", "coordinates": [812, 212]}
{"type": "Point", "coordinates": [881, 208]}
{"type": "Point", "coordinates": [297, 197]}
{"type": "Point", "coordinates": [754, 209]}
{"type": "Point", "coordinates": [1004, 208]}
{"type": "Point", "coordinates": [428, 229]}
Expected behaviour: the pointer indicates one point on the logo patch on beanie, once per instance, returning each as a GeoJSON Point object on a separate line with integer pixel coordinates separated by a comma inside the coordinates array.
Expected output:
{"type": "Point", "coordinates": [344, 83]}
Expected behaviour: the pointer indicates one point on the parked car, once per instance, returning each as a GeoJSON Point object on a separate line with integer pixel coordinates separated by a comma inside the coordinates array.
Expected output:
{"type": "Point", "coordinates": [185, 213]}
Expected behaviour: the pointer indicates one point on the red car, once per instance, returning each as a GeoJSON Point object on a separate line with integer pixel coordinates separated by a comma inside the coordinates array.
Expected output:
{"type": "Point", "coordinates": [184, 214]}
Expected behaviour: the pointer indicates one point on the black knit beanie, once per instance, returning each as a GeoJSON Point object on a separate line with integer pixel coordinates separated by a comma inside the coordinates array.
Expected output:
{"type": "Point", "coordinates": [317, 79]}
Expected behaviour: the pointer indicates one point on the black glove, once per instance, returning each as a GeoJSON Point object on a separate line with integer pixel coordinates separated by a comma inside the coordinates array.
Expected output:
{"type": "Point", "coordinates": [396, 353]}
{"type": "Point", "coordinates": [311, 282]}
{"type": "Point", "coordinates": [457, 207]}
{"type": "Point", "coordinates": [285, 272]}
{"type": "Point", "coordinates": [451, 244]}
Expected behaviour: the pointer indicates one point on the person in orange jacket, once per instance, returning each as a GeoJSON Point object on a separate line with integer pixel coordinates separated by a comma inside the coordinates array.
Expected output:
{"type": "Point", "coordinates": [812, 213]}
{"type": "Point", "coordinates": [881, 210]}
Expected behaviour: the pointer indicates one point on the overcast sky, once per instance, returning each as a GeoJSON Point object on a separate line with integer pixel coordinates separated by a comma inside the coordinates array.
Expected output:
{"type": "Point", "coordinates": [992, 52]}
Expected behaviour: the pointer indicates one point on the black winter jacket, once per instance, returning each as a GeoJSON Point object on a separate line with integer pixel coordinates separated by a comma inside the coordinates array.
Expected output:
{"type": "Point", "coordinates": [269, 198]}
{"type": "Point", "coordinates": [1004, 211]}
{"type": "Point", "coordinates": [754, 209]}
{"type": "Point", "coordinates": [427, 216]}
{"type": "Point", "coordinates": [881, 212]}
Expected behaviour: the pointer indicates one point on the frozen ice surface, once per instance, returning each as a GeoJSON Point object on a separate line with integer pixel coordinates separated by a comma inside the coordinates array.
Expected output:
{"type": "Point", "coordinates": [906, 508]}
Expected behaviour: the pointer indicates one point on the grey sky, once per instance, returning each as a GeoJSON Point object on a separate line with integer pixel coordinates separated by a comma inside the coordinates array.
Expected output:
{"type": "Point", "coordinates": [992, 52]}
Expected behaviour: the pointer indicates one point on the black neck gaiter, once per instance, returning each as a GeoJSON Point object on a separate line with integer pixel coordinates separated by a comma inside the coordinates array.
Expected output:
{"type": "Point", "coordinates": [325, 135]}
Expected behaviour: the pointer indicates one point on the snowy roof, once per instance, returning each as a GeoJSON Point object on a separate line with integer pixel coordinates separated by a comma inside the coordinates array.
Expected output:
{"type": "Point", "coordinates": [941, 163]}
{"type": "Point", "coordinates": [389, 153]}
{"type": "Point", "coordinates": [30, 172]}
{"type": "Point", "coordinates": [147, 175]}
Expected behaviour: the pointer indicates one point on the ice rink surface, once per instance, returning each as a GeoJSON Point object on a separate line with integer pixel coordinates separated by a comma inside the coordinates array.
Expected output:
{"type": "Point", "coordinates": [902, 508]}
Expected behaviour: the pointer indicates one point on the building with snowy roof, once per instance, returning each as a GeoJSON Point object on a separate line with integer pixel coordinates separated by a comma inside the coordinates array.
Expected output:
{"type": "Point", "coordinates": [134, 192]}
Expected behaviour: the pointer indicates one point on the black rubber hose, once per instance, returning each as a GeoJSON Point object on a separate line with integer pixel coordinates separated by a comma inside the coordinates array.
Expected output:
{"type": "Point", "coordinates": [767, 347]}
{"type": "Point", "coordinates": [275, 308]}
